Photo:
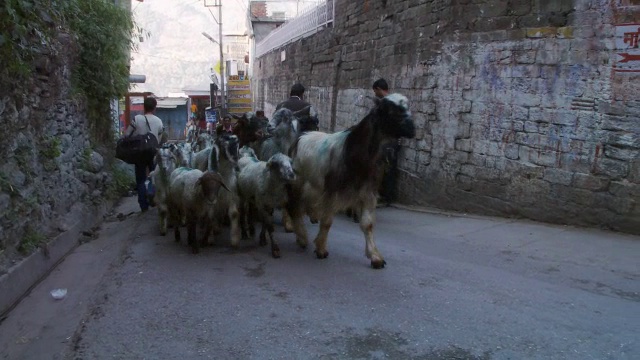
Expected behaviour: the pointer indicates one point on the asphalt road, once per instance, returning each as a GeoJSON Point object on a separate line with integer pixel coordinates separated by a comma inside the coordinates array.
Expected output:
{"type": "Point", "coordinates": [455, 287]}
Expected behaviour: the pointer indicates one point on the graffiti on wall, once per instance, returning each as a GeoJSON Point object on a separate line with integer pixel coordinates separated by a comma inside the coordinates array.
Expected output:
{"type": "Point", "coordinates": [627, 51]}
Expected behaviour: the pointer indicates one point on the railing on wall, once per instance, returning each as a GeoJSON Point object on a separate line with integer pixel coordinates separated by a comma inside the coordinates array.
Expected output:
{"type": "Point", "coordinates": [307, 24]}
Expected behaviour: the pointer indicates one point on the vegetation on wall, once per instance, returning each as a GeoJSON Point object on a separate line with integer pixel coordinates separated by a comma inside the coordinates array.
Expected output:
{"type": "Point", "coordinates": [103, 33]}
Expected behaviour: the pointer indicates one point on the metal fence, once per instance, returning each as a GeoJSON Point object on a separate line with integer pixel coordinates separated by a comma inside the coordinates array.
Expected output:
{"type": "Point", "coordinates": [307, 24]}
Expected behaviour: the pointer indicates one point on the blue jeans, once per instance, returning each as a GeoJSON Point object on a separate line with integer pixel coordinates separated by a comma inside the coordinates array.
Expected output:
{"type": "Point", "coordinates": [141, 178]}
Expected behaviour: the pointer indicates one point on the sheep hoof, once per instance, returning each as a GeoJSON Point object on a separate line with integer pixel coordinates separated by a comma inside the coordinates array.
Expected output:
{"type": "Point", "coordinates": [322, 254]}
{"type": "Point", "coordinates": [263, 240]}
{"type": "Point", "coordinates": [275, 253]}
{"type": "Point", "coordinates": [378, 264]}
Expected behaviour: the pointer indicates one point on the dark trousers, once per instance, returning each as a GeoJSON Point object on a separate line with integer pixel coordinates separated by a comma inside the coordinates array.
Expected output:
{"type": "Point", "coordinates": [141, 178]}
{"type": "Point", "coordinates": [388, 188]}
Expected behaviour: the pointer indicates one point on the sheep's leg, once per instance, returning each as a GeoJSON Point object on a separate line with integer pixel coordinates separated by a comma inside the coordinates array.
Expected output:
{"type": "Point", "coordinates": [286, 220]}
{"type": "Point", "coordinates": [176, 227]}
{"type": "Point", "coordinates": [321, 238]}
{"type": "Point", "coordinates": [252, 213]}
{"type": "Point", "coordinates": [366, 225]}
{"type": "Point", "coordinates": [204, 241]}
{"type": "Point", "coordinates": [163, 221]}
{"type": "Point", "coordinates": [263, 235]}
{"type": "Point", "coordinates": [244, 209]}
{"type": "Point", "coordinates": [191, 236]}
{"type": "Point", "coordinates": [295, 209]}
{"type": "Point", "coordinates": [235, 228]}
{"type": "Point", "coordinates": [275, 249]}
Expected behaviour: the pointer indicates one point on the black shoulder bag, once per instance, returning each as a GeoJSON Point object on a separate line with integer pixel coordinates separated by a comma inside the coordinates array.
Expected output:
{"type": "Point", "coordinates": [137, 149]}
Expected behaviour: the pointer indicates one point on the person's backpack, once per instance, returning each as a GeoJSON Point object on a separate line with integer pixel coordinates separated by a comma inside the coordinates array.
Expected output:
{"type": "Point", "coordinates": [136, 149]}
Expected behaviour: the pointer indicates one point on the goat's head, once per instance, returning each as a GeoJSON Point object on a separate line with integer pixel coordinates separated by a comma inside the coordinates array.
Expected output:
{"type": "Point", "coordinates": [246, 151]}
{"type": "Point", "coordinates": [211, 182]}
{"type": "Point", "coordinates": [166, 158]}
{"type": "Point", "coordinates": [394, 116]}
{"type": "Point", "coordinates": [228, 145]}
{"type": "Point", "coordinates": [282, 165]}
{"type": "Point", "coordinates": [283, 123]}
{"type": "Point", "coordinates": [282, 116]}
{"type": "Point", "coordinates": [307, 119]}
{"type": "Point", "coordinates": [184, 152]}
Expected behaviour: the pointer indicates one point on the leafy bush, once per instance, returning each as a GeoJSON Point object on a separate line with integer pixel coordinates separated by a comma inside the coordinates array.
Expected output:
{"type": "Point", "coordinates": [103, 32]}
{"type": "Point", "coordinates": [31, 241]}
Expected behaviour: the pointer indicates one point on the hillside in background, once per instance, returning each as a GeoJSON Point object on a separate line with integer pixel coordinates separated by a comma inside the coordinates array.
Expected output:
{"type": "Point", "coordinates": [176, 55]}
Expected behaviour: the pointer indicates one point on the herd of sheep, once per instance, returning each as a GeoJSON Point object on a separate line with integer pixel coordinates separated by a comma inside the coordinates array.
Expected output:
{"type": "Point", "coordinates": [234, 178]}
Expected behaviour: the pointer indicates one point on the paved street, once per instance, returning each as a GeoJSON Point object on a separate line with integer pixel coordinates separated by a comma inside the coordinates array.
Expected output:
{"type": "Point", "coordinates": [455, 287]}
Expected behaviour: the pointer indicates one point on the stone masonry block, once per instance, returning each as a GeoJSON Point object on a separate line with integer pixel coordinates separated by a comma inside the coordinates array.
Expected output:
{"type": "Point", "coordinates": [464, 182]}
{"type": "Point", "coordinates": [557, 176]}
{"type": "Point", "coordinates": [624, 189]}
{"type": "Point", "coordinates": [549, 57]}
{"type": "Point", "coordinates": [538, 157]}
{"type": "Point", "coordinates": [634, 171]}
{"type": "Point", "coordinates": [464, 145]}
{"type": "Point", "coordinates": [626, 154]}
{"type": "Point", "coordinates": [615, 169]}
{"type": "Point", "coordinates": [541, 32]}
{"type": "Point", "coordinates": [520, 113]}
{"type": "Point", "coordinates": [511, 151]}
{"type": "Point", "coordinates": [526, 99]}
{"type": "Point", "coordinates": [590, 182]}
{"type": "Point", "coordinates": [620, 123]}
{"type": "Point", "coordinates": [531, 127]}
{"type": "Point", "coordinates": [525, 56]}
{"type": "Point", "coordinates": [623, 140]}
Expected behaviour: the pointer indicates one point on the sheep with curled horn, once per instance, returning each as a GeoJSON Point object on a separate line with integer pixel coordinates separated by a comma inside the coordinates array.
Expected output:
{"type": "Point", "coordinates": [338, 171]}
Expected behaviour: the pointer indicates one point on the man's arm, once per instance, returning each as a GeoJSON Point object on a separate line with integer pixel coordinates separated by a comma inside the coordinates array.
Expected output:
{"type": "Point", "coordinates": [130, 128]}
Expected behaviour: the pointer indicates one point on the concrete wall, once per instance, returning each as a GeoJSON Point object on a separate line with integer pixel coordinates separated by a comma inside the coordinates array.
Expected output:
{"type": "Point", "coordinates": [523, 108]}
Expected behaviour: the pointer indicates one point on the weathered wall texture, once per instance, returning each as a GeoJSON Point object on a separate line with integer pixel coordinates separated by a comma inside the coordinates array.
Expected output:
{"type": "Point", "coordinates": [523, 108]}
{"type": "Point", "coordinates": [48, 166]}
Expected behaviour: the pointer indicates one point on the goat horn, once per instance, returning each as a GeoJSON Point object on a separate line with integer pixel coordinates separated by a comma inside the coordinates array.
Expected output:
{"type": "Point", "coordinates": [219, 179]}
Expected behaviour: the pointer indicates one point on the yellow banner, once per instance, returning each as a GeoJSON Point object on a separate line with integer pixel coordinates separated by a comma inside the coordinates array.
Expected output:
{"type": "Point", "coordinates": [239, 101]}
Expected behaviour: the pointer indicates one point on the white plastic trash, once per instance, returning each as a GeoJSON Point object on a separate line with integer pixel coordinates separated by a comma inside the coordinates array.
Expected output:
{"type": "Point", "coordinates": [59, 294]}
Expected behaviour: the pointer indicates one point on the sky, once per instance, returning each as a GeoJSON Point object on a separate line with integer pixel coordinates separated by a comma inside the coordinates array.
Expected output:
{"type": "Point", "coordinates": [176, 56]}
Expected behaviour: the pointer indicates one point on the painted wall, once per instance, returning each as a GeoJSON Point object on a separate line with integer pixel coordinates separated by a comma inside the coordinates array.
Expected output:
{"type": "Point", "coordinates": [523, 108]}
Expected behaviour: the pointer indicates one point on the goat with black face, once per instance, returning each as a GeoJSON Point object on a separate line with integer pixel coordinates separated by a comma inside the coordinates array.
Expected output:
{"type": "Point", "coordinates": [338, 171]}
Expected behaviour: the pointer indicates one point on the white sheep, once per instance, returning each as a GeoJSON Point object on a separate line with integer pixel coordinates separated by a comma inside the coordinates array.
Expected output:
{"type": "Point", "coordinates": [193, 195]}
{"type": "Point", "coordinates": [227, 159]}
{"type": "Point", "coordinates": [263, 185]}
{"type": "Point", "coordinates": [165, 164]}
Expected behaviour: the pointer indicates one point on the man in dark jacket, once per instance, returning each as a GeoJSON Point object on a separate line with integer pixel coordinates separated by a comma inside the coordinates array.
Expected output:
{"type": "Point", "coordinates": [295, 101]}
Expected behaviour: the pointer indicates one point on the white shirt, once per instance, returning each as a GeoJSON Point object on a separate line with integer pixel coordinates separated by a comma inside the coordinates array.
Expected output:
{"type": "Point", "coordinates": [141, 127]}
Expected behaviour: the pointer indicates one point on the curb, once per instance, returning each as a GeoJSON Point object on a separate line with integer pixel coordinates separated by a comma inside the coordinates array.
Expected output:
{"type": "Point", "coordinates": [23, 277]}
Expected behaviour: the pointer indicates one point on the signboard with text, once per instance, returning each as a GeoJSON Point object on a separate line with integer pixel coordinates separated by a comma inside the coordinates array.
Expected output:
{"type": "Point", "coordinates": [238, 95]}
{"type": "Point", "coordinates": [627, 50]}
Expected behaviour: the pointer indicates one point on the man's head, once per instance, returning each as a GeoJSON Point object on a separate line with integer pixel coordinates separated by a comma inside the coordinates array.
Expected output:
{"type": "Point", "coordinates": [380, 88]}
{"type": "Point", "coordinates": [150, 104]}
{"type": "Point", "coordinates": [226, 120]}
{"type": "Point", "coordinates": [260, 113]}
{"type": "Point", "coordinates": [297, 90]}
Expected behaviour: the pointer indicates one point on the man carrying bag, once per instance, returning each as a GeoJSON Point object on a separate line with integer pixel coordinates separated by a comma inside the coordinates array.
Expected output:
{"type": "Point", "coordinates": [139, 146]}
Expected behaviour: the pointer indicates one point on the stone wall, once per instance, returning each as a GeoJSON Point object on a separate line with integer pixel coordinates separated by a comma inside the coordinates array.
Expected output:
{"type": "Point", "coordinates": [523, 108]}
{"type": "Point", "coordinates": [49, 164]}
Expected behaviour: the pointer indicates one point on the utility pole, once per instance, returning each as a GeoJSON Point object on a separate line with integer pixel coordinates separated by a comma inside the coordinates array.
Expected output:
{"type": "Point", "coordinates": [218, 4]}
